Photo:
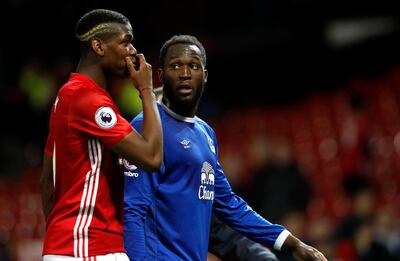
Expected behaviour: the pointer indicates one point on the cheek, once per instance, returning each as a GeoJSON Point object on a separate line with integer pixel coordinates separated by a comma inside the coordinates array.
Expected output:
{"type": "Point", "coordinates": [119, 54]}
{"type": "Point", "coordinates": [170, 78]}
{"type": "Point", "coordinates": [120, 59]}
{"type": "Point", "coordinates": [199, 78]}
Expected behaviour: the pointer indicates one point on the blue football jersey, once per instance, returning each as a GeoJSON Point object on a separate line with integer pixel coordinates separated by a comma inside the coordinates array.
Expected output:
{"type": "Point", "coordinates": [167, 214]}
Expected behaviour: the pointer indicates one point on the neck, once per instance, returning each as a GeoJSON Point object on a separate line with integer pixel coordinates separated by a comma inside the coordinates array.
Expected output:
{"type": "Point", "coordinates": [93, 71]}
{"type": "Point", "coordinates": [186, 111]}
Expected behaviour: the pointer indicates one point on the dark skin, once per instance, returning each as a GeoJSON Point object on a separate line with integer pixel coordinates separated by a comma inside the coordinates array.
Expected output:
{"type": "Point", "coordinates": [107, 59]}
{"type": "Point", "coordinates": [183, 77]}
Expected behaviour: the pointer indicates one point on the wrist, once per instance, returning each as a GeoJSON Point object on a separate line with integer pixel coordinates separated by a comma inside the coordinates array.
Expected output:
{"type": "Point", "coordinates": [291, 243]}
{"type": "Point", "coordinates": [146, 91]}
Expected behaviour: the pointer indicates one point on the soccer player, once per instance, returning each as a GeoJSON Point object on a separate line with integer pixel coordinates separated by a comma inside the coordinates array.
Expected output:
{"type": "Point", "coordinates": [228, 244]}
{"type": "Point", "coordinates": [81, 187]}
{"type": "Point", "coordinates": [168, 213]}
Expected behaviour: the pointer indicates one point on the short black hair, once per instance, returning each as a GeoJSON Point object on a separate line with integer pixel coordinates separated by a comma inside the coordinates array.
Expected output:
{"type": "Point", "coordinates": [96, 17]}
{"type": "Point", "coordinates": [182, 39]}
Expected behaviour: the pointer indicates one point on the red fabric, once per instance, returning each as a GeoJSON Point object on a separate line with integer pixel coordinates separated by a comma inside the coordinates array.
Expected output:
{"type": "Point", "coordinates": [86, 219]}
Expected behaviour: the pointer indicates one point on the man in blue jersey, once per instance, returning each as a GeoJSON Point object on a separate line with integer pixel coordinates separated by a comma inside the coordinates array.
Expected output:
{"type": "Point", "coordinates": [226, 243]}
{"type": "Point", "coordinates": [168, 213]}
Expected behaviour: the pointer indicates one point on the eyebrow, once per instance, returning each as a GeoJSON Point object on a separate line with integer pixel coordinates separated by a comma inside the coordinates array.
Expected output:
{"type": "Point", "coordinates": [129, 36]}
{"type": "Point", "coordinates": [194, 56]}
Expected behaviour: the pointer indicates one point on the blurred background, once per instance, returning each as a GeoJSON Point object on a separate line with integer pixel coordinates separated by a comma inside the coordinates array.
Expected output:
{"type": "Point", "coordinates": [304, 97]}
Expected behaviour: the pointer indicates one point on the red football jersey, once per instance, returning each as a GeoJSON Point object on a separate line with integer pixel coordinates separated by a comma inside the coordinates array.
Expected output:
{"type": "Point", "coordinates": [87, 216]}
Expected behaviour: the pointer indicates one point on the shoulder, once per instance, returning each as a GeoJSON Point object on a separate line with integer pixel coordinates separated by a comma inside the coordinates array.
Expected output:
{"type": "Point", "coordinates": [202, 123]}
{"type": "Point", "coordinates": [88, 98]}
{"type": "Point", "coordinates": [138, 119]}
{"type": "Point", "coordinates": [81, 88]}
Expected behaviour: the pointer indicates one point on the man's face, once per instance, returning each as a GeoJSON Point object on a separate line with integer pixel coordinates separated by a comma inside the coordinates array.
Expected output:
{"type": "Point", "coordinates": [184, 77]}
{"type": "Point", "coordinates": [117, 48]}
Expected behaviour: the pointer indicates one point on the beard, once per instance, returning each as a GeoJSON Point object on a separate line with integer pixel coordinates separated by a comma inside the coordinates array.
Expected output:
{"type": "Point", "coordinates": [184, 106]}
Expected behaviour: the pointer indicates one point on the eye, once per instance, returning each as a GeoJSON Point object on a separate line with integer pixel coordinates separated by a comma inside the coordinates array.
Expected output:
{"type": "Point", "coordinates": [194, 66]}
{"type": "Point", "coordinates": [174, 66]}
{"type": "Point", "coordinates": [126, 43]}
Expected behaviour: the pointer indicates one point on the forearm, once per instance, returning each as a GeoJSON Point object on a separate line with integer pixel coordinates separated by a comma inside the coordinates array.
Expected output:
{"type": "Point", "coordinates": [46, 186]}
{"type": "Point", "coordinates": [150, 143]}
{"type": "Point", "coordinates": [230, 245]}
{"type": "Point", "coordinates": [236, 213]}
{"type": "Point", "coordinates": [151, 129]}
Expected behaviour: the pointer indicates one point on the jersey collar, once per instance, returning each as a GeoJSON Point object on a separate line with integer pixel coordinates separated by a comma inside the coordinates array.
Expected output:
{"type": "Point", "coordinates": [177, 116]}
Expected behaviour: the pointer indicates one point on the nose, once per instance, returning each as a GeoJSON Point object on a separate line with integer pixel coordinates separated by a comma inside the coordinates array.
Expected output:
{"type": "Point", "coordinates": [132, 50]}
{"type": "Point", "coordinates": [185, 73]}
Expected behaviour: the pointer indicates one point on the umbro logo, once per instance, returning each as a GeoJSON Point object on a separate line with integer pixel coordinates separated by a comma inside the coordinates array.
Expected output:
{"type": "Point", "coordinates": [185, 143]}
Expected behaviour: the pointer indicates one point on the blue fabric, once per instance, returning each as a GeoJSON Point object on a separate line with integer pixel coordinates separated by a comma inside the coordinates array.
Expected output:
{"type": "Point", "coordinates": [167, 214]}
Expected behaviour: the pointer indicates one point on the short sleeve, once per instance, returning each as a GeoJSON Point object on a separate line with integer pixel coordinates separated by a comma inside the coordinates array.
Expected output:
{"type": "Point", "coordinates": [94, 113]}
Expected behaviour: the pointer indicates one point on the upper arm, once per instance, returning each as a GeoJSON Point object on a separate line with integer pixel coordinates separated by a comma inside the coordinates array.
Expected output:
{"type": "Point", "coordinates": [47, 165]}
{"type": "Point", "coordinates": [96, 115]}
{"type": "Point", "coordinates": [135, 148]}
{"type": "Point", "coordinates": [46, 185]}
{"type": "Point", "coordinates": [47, 169]}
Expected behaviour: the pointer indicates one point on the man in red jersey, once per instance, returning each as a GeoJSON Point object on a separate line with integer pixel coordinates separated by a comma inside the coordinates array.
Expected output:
{"type": "Point", "coordinates": [82, 192]}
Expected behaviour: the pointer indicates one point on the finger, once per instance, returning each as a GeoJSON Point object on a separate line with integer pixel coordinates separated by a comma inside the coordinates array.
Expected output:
{"type": "Point", "coordinates": [129, 64]}
{"type": "Point", "coordinates": [319, 256]}
{"type": "Point", "coordinates": [140, 59]}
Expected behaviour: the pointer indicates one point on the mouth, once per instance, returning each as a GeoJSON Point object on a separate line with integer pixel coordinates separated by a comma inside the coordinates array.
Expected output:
{"type": "Point", "coordinates": [184, 88]}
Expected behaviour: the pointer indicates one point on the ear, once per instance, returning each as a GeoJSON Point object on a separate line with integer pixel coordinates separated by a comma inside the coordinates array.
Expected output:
{"type": "Point", "coordinates": [205, 75]}
{"type": "Point", "coordinates": [97, 46]}
{"type": "Point", "coordinates": [160, 76]}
